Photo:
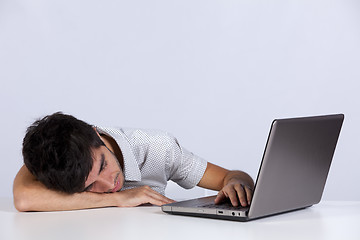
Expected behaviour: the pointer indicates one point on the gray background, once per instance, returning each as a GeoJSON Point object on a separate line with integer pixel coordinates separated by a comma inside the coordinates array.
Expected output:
{"type": "Point", "coordinates": [213, 73]}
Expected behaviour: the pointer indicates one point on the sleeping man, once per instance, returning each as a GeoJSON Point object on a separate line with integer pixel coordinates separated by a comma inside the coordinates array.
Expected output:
{"type": "Point", "coordinates": [69, 164]}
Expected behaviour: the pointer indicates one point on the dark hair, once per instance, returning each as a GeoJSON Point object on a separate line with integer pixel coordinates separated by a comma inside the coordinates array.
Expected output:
{"type": "Point", "coordinates": [57, 150]}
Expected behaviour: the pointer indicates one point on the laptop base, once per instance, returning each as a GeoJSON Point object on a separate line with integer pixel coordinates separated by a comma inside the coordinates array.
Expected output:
{"type": "Point", "coordinates": [166, 209]}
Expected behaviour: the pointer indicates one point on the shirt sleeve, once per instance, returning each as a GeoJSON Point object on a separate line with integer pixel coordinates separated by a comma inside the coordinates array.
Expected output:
{"type": "Point", "coordinates": [184, 167]}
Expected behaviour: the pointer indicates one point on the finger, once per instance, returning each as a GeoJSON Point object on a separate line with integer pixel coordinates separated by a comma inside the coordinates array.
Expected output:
{"type": "Point", "coordinates": [144, 195]}
{"type": "Point", "coordinates": [156, 202]}
{"type": "Point", "coordinates": [232, 194]}
{"type": "Point", "coordinates": [249, 194]}
{"type": "Point", "coordinates": [241, 194]}
{"type": "Point", "coordinates": [220, 197]}
{"type": "Point", "coordinates": [162, 198]}
{"type": "Point", "coordinates": [156, 198]}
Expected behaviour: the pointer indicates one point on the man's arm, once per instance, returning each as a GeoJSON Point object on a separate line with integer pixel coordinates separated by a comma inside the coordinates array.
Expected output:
{"type": "Point", "coordinates": [32, 195]}
{"type": "Point", "coordinates": [235, 185]}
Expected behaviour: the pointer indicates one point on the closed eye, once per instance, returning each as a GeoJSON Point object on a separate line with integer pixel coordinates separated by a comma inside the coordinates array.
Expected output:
{"type": "Point", "coordinates": [102, 163]}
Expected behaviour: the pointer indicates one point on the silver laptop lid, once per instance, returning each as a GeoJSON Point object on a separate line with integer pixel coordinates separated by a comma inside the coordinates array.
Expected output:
{"type": "Point", "coordinates": [295, 164]}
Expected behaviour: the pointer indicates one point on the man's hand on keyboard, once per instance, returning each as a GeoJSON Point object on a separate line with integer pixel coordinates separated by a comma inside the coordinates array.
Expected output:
{"type": "Point", "coordinates": [234, 185]}
{"type": "Point", "coordinates": [238, 187]}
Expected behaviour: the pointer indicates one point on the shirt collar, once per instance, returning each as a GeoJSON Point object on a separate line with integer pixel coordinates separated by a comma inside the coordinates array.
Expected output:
{"type": "Point", "coordinates": [131, 168]}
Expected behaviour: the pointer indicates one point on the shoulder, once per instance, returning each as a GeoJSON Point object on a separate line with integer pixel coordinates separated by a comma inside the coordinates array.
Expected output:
{"type": "Point", "coordinates": [151, 136]}
{"type": "Point", "coordinates": [140, 137]}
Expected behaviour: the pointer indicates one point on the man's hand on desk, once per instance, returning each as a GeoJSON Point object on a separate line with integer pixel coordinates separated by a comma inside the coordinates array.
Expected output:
{"type": "Point", "coordinates": [140, 195]}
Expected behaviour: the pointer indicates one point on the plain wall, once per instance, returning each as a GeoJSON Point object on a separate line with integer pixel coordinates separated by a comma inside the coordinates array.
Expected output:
{"type": "Point", "coordinates": [213, 73]}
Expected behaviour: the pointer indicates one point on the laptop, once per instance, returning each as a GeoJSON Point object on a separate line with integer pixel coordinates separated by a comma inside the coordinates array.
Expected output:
{"type": "Point", "coordinates": [292, 174]}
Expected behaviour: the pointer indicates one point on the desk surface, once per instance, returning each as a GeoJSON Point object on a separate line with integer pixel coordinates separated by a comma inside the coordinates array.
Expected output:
{"type": "Point", "coordinates": [327, 220]}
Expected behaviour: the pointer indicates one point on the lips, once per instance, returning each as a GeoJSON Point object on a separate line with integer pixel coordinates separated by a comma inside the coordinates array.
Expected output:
{"type": "Point", "coordinates": [116, 188]}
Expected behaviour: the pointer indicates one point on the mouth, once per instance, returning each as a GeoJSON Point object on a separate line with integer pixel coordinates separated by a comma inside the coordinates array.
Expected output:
{"type": "Point", "coordinates": [116, 188]}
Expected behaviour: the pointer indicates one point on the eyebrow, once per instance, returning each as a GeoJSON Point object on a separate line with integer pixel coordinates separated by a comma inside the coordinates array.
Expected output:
{"type": "Point", "coordinates": [102, 164]}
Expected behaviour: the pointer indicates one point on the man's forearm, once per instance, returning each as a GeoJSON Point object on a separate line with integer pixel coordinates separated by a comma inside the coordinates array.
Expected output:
{"type": "Point", "coordinates": [31, 195]}
{"type": "Point", "coordinates": [54, 201]}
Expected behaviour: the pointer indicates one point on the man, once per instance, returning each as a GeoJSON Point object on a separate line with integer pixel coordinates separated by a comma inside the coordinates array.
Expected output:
{"type": "Point", "coordinates": [70, 164]}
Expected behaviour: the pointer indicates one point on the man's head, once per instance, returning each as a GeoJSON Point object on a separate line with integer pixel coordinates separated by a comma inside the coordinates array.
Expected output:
{"type": "Point", "coordinates": [59, 151]}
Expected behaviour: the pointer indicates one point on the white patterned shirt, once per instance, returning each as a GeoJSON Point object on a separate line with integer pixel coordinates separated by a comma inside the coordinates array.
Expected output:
{"type": "Point", "coordinates": [153, 157]}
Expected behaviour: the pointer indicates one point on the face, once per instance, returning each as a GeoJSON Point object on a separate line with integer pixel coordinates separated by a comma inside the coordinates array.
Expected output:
{"type": "Point", "coordinates": [106, 175]}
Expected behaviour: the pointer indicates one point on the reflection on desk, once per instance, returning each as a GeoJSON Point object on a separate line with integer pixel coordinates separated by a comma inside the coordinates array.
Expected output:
{"type": "Point", "coordinates": [327, 220]}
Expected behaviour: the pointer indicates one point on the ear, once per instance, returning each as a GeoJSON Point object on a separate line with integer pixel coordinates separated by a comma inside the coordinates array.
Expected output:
{"type": "Point", "coordinates": [102, 140]}
{"type": "Point", "coordinates": [97, 132]}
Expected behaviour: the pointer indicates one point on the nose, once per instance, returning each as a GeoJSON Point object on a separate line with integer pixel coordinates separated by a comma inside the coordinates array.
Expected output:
{"type": "Point", "coordinates": [104, 184]}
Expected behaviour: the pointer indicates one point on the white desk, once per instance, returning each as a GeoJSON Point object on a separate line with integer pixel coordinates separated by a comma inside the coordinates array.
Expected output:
{"type": "Point", "coordinates": [327, 220]}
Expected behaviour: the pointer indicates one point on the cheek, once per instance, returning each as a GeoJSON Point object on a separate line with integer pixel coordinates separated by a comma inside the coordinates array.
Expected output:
{"type": "Point", "coordinates": [111, 170]}
{"type": "Point", "coordinates": [114, 167]}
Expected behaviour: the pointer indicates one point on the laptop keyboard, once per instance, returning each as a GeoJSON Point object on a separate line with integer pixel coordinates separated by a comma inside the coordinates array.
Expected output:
{"type": "Point", "coordinates": [226, 206]}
